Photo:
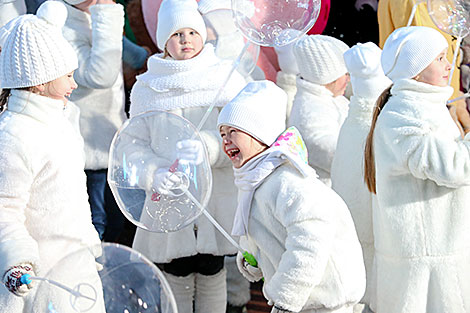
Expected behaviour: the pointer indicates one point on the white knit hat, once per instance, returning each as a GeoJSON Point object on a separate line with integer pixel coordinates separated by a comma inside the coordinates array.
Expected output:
{"type": "Point", "coordinates": [409, 50]}
{"type": "Point", "coordinates": [259, 110]}
{"type": "Point", "coordinates": [320, 58]}
{"type": "Point", "coordinates": [367, 76]}
{"type": "Point", "coordinates": [178, 14]}
{"type": "Point", "coordinates": [35, 52]}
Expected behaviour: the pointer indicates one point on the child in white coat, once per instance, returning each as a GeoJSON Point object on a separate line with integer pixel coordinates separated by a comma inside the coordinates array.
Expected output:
{"type": "Point", "coordinates": [368, 82]}
{"type": "Point", "coordinates": [298, 229]}
{"type": "Point", "coordinates": [184, 80]}
{"type": "Point", "coordinates": [44, 210]}
{"type": "Point", "coordinates": [419, 167]}
{"type": "Point", "coordinates": [319, 107]}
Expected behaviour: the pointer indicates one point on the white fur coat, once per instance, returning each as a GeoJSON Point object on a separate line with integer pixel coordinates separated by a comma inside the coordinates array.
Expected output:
{"type": "Point", "coordinates": [422, 224]}
{"type": "Point", "coordinates": [347, 177]}
{"type": "Point", "coordinates": [187, 88]}
{"type": "Point", "coordinates": [303, 237]}
{"type": "Point", "coordinates": [44, 210]}
{"type": "Point", "coordinates": [318, 116]}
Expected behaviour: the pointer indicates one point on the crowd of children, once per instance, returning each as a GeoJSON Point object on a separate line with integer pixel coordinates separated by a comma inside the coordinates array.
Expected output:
{"type": "Point", "coordinates": [348, 203]}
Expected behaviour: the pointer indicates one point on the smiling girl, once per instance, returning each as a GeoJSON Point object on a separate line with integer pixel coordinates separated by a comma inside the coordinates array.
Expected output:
{"type": "Point", "coordinates": [299, 230]}
{"type": "Point", "coordinates": [44, 209]}
{"type": "Point", "coordinates": [419, 167]}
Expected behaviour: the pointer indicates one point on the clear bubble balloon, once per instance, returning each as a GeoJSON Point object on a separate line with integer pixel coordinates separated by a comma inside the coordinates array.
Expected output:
{"type": "Point", "coordinates": [229, 41]}
{"type": "Point", "coordinates": [275, 22]}
{"type": "Point", "coordinates": [450, 16]}
{"type": "Point", "coordinates": [143, 148]}
{"type": "Point", "coordinates": [104, 278]}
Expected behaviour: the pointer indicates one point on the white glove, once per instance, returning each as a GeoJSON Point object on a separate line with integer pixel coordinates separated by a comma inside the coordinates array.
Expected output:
{"type": "Point", "coordinates": [12, 277]}
{"type": "Point", "coordinates": [286, 59]}
{"type": "Point", "coordinates": [190, 151]}
{"type": "Point", "coordinates": [276, 309]}
{"type": "Point", "coordinates": [251, 273]}
{"type": "Point", "coordinates": [164, 181]}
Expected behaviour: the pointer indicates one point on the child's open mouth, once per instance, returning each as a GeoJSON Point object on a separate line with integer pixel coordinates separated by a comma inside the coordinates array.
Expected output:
{"type": "Point", "coordinates": [232, 153]}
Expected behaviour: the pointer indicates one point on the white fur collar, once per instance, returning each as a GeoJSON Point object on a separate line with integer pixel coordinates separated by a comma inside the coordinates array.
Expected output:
{"type": "Point", "coordinates": [315, 89]}
{"type": "Point", "coordinates": [41, 108]}
{"type": "Point", "coordinates": [412, 89]}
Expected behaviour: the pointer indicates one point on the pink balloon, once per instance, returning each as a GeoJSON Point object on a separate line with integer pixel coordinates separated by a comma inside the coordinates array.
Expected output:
{"type": "Point", "coordinates": [150, 12]}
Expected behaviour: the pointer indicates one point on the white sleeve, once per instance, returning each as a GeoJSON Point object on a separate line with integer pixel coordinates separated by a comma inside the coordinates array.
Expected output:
{"type": "Point", "coordinates": [99, 58]}
{"type": "Point", "coordinates": [310, 232]}
{"type": "Point", "coordinates": [429, 153]}
{"type": "Point", "coordinates": [16, 178]}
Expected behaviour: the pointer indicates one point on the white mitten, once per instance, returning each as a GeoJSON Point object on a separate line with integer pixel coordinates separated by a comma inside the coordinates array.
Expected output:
{"type": "Point", "coordinates": [286, 59]}
{"type": "Point", "coordinates": [164, 181]}
{"type": "Point", "coordinates": [190, 151]}
{"type": "Point", "coordinates": [251, 273]}
{"type": "Point", "coordinates": [12, 277]}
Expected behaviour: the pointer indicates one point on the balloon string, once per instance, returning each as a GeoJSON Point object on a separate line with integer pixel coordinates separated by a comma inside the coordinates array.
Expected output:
{"type": "Point", "coordinates": [454, 59]}
{"type": "Point", "coordinates": [219, 92]}
{"type": "Point", "coordinates": [413, 12]}
{"type": "Point", "coordinates": [57, 284]}
{"type": "Point", "coordinates": [465, 95]}
{"type": "Point", "coordinates": [214, 222]}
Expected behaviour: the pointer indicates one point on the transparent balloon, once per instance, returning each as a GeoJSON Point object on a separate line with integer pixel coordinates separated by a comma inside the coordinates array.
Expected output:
{"type": "Point", "coordinates": [229, 42]}
{"type": "Point", "coordinates": [275, 22]}
{"type": "Point", "coordinates": [144, 146]}
{"type": "Point", "coordinates": [104, 278]}
{"type": "Point", "coordinates": [450, 16]}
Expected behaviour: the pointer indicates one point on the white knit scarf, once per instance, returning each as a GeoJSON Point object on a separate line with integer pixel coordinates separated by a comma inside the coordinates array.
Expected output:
{"type": "Point", "coordinates": [179, 84]}
{"type": "Point", "coordinates": [252, 174]}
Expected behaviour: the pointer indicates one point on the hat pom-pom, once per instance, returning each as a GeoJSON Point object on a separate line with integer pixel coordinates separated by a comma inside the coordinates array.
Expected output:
{"type": "Point", "coordinates": [53, 12]}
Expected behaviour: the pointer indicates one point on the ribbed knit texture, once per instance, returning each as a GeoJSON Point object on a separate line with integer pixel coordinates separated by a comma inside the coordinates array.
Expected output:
{"type": "Point", "coordinates": [259, 110]}
{"type": "Point", "coordinates": [35, 52]}
{"type": "Point", "coordinates": [409, 50]}
{"type": "Point", "coordinates": [320, 58]}
{"type": "Point", "coordinates": [177, 14]}
{"type": "Point", "coordinates": [172, 84]}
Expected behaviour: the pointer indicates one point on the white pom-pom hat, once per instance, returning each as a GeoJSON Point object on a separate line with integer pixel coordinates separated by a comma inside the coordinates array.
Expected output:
{"type": "Point", "coordinates": [367, 76]}
{"type": "Point", "coordinates": [34, 52]}
{"type": "Point", "coordinates": [259, 110]}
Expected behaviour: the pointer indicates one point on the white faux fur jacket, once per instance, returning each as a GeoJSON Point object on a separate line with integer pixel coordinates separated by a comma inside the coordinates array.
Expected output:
{"type": "Point", "coordinates": [97, 40]}
{"type": "Point", "coordinates": [422, 224]}
{"type": "Point", "coordinates": [318, 116]}
{"type": "Point", "coordinates": [44, 210]}
{"type": "Point", "coordinates": [303, 237]}
{"type": "Point", "coordinates": [347, 176]}
{"type": "Point", "coordinates": [187, 88]}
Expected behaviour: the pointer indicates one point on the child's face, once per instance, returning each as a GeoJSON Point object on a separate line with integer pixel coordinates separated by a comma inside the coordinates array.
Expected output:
{"type": "Point", "coordinates": [184, 44]}
{"type": "Point", "coordinates": [239, 146]}
{"type": "Point", "coordinates": [338, 87]}
{"type": "Point", "coordinates": [437, 73]}
{"type": "Point", "coordinates": [61, 88]}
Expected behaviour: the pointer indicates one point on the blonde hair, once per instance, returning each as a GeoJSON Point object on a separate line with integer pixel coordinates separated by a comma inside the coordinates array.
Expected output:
{"type": "Point", "coordinates": [369, 157]}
